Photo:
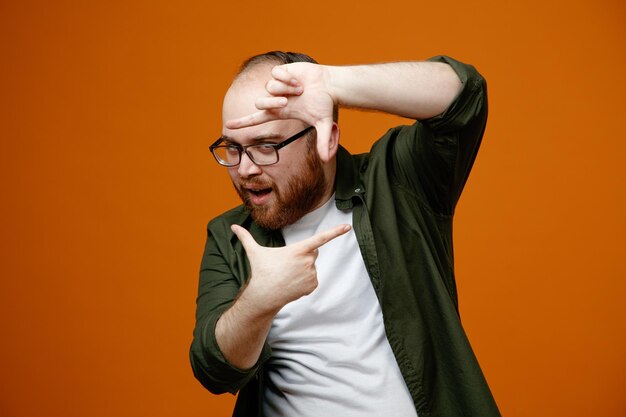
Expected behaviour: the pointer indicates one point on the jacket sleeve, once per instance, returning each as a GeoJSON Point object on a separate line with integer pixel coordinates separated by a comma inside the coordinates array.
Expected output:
{"type": "Point", "coordinates": [221, 277]}
{"type": "Point", "coordinates": [433, 157]}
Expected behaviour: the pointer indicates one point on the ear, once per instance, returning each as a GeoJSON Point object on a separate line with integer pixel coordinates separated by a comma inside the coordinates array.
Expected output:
{"type": "Point", "coordinates": [333, 142]}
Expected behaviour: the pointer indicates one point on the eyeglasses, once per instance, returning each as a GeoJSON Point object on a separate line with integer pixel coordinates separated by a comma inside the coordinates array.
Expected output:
{"type": "Point", "coordinates": [229, 154]}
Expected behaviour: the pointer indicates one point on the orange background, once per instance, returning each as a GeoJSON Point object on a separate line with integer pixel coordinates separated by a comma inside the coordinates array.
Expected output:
{"type": "Point", "coordinates": [107, 110]}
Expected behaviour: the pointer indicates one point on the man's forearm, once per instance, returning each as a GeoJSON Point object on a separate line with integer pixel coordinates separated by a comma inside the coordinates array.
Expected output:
{"type": "Point", "coordinates": [282, 275]}
{"type": "Point", "coordinates": [241, 331]}
{"type": "Point", "coordinates": [417, 90]}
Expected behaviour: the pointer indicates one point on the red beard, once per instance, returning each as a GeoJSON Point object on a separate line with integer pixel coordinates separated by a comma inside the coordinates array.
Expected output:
{"type": "Point", "coordinates": [301, 195]}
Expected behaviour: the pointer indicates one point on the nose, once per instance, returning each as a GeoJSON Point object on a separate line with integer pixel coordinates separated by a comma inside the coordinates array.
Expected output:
{"type": "Point", "coordinates": [247, 168]}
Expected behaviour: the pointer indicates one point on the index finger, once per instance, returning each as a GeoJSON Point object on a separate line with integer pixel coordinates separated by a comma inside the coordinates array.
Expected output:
{"type": "Point", "coordinates": [250, 120]}
{"type": "Point", "coordinates": [320, 239]}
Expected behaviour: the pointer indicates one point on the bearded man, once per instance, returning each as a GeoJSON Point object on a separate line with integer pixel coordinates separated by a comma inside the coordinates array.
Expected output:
{"type": "Point", "coordinates": [331, 290]}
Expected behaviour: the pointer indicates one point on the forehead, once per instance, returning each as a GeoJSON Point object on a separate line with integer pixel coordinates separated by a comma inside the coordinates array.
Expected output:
{"type": "Point", "coordinates": [244, 91]}
{"type": "Point", "coordinates": [239, 101]}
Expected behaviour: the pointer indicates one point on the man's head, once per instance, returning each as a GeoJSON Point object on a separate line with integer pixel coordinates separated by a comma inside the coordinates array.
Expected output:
{"type": "Point", "coordinates": [274, 58]}
{"type": "Point", "coordinates": [280, 194]}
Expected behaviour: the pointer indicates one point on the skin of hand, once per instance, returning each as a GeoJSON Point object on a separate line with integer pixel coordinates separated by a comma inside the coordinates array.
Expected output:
{"type": "Point", "coordinates": [297, 91]}
{"type": "Point", "coordinates": [281, 275]}
{"type": "Point", "coordinates": [278, 277]}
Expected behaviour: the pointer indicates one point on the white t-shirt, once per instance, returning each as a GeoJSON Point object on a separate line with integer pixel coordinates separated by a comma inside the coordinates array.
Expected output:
{"type": "Point", "coordinates": [331, 356]}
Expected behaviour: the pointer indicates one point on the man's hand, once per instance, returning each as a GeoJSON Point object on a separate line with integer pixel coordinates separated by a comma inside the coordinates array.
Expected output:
{"type": "Point", "coordinates": [279, 276]}
{"type": "Point", "coordinates": [309, 92]}
{"type": "Point", "coordinates": [282, 275]}
{"type": "Point", "coordinates": [296, 91]}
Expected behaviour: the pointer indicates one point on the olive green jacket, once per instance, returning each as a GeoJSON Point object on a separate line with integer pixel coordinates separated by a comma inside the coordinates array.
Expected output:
{"type": "Point", "coordinates": [402, 195]}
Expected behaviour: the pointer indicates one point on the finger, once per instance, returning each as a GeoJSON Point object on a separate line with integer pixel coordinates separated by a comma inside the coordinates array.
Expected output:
{"type": "Point", "coordinates": [324, 129]}
{"type": "Point", "coordinates": [250, 120]}
{"type": "Point", "coordinates": [265, 103]}
{"type": "Point", "coordinates": [324, 237]}
{"type": "Point", "coordinates": [279, 88]}
{"type": "Point", "coordinates": [246, 239]}
{"type": "Point", "coordinates": [281, 73]}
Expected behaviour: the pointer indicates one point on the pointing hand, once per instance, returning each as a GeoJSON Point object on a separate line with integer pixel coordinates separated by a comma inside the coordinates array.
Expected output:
{"type": "Point", "coordinates": [281, 275]}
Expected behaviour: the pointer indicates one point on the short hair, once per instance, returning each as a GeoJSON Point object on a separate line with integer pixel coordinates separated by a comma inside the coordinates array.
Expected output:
{"type": "Point", "coordinates": [276, 58]}
{"type": "Point", "coordinates": [279, 58]}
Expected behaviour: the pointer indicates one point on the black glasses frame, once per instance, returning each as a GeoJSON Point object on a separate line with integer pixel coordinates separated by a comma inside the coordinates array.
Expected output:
{"type": "Point", "coordinates": [242, 149]}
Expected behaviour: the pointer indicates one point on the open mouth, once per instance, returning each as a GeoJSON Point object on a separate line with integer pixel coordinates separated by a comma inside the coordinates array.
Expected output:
{"type": "Point", "coordinates": [261, 192]}
{"type": "Point", "coordinates": [258, 196]}
{"type": "Point", "coordinates": [256, 193]}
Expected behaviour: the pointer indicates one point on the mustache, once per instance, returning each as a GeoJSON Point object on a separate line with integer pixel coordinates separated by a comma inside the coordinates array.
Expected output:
{"type": "Point", "coordinates": [255, 183]}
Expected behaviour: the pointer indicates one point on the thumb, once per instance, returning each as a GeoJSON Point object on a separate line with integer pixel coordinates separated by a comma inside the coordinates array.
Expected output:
{"type": "Point", "coordinates": [324, 129]}
{"type": "Point", "coordinates": [246, 239]}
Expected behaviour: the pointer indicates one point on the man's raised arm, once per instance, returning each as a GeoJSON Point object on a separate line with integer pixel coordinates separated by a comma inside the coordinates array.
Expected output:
{"type": "Point", "coordinates": [309, 92]}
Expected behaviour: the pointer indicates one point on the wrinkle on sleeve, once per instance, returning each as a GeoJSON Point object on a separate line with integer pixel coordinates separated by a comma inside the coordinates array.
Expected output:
{"type": "Point", "coordinates": [433, 158]}
{"type": "Point", "coordinates": [218, 288]}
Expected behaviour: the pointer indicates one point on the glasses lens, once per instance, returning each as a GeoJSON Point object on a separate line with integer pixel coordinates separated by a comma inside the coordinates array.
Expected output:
{"type": "Point", "coordinates": [226, 155]}
{"type": "Point", "coordinates": [263, 154]}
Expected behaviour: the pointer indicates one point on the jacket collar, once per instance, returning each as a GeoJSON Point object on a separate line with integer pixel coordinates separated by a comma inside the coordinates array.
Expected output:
{"type": "Point", "coordinates": [347, 180]}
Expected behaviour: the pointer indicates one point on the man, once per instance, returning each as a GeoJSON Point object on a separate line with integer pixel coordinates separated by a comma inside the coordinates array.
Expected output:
{"type": "Point", "coordinates": [331, 291]}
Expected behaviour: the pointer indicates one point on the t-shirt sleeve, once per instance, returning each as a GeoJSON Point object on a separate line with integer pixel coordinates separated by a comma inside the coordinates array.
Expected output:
{"type": "Point", "coordinates": [433, 157]}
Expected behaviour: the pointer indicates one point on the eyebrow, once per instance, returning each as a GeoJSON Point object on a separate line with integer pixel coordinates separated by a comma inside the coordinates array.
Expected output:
{"type": "Point", "coordinates": [257, 139]}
